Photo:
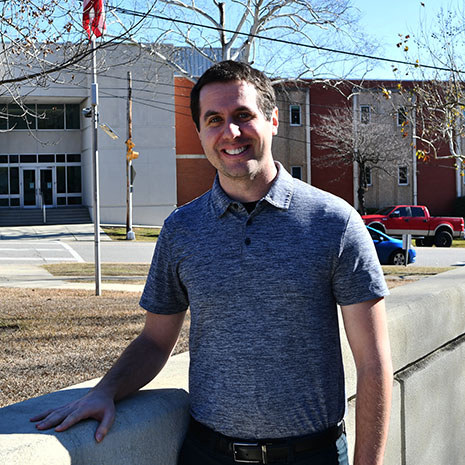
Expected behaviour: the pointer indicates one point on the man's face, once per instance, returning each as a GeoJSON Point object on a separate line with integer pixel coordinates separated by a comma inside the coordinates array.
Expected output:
{"type": "Point", "coordinates": [234, 133]}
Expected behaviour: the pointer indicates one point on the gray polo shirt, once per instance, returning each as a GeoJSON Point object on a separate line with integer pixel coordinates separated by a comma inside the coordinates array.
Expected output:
{"type": "Point", "coordinates": [262, 290]}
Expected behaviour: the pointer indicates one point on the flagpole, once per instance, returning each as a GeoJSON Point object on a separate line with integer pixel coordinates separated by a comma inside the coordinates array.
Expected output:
{"type": "Point", "coordinates": [95, 165]}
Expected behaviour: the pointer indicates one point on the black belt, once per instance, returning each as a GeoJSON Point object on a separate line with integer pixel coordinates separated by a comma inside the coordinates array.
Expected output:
{"type": "Point", "coordinates": [264, 451]}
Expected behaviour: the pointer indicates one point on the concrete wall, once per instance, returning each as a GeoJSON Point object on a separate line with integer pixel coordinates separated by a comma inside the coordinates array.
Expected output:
{"type": "Point", "coordinates": [427, 331]}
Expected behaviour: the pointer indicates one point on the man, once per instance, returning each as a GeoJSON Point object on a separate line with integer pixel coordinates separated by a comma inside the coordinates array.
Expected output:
{"type": "Point", "coordinates": [262, 260]}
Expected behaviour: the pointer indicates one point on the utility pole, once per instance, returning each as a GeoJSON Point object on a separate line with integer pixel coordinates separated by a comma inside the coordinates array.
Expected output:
{"type": "Point", "coordinates": [130, 155]}
{"type": "Point", "coordinates": [96, 201]}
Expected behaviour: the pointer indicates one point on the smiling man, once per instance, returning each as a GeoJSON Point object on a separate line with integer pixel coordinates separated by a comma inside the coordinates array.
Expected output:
{"type": "Point", "coordinates": [262, 260]}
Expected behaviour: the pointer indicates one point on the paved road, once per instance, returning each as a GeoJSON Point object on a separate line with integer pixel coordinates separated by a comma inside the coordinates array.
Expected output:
{"type": "Point", "coordinates": [54, 244]}
{"type": "Point", "coordinates": [432, 256]}
{"type": "Point", "coordinates": [44, 252]}
{"type": "Point", "coordinates": [38, 245]}
{"type": "Point", "coordinates": [116, 251]}
{"type": "Point", "coordinates": [37, 252]}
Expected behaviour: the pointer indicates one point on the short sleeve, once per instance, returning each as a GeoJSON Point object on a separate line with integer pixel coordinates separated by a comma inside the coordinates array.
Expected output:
{"type": "Point", "coordinates": [164, 292]}
{"type": "Point", "coordinates": [358, 275]}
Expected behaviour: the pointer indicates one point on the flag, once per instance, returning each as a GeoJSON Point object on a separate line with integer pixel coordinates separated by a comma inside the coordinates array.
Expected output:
{"type": "Point", "coordinates": [93, 18]}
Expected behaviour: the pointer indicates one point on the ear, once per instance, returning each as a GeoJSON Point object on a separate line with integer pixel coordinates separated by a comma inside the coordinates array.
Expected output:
{"type": "Point", "coordinates": [275, 121]}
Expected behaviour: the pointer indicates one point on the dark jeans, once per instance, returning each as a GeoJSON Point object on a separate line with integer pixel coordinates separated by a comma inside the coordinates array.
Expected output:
{"type": "Point", "coordinates": [194, 452]}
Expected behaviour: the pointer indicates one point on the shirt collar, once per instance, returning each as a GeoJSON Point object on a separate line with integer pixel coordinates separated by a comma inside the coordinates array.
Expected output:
{"type": "Point", "coordinates": [279, 195]}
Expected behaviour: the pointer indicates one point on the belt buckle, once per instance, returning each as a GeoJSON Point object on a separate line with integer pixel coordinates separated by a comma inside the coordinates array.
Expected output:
{"type": "Point", "coordinates": [248, 444]}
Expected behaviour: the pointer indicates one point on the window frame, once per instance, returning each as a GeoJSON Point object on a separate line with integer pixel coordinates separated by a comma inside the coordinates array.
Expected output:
{"type": "Point", "coordinates": [365, 112]}
{"type": "Point", "coordinates": [35, 120]}
{"type": "Point", "coordinates": [298, 167]}
{"type": "Point", "coordinates": [368, 176]}
{"type": "Point", "coordinates": [402, 117]}
{"type": "Point", "coordinates": [400, 175]}
{"type": "Point", "coordinates": [295, 106]}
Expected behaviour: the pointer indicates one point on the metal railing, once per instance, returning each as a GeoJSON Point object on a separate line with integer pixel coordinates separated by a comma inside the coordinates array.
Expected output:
{"type": "Point", "coordinates": [42, 206]}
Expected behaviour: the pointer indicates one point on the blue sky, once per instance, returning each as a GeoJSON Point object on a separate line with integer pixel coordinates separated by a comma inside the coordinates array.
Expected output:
{"type": "Point", "coordinates": [384, 21]}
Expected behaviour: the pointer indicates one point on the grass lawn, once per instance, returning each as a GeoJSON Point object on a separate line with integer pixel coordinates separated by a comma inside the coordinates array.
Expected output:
{"type": "Point", "coordinates": [142, 234]}
{"type": "Point", "coordinates": [51, 339]}
{"type": "Point", "coordinates": [88, 269]}
{"type": "Point", "coordinates": [421, 271]}
{"type": "Point", "coordinates": [141, 270]}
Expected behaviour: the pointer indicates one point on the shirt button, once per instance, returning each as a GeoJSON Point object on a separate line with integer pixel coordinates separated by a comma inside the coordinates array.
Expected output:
{"type": "Point", "coordinates": [249, 222]}
{"type": "Point", "coordinates": [234, 206]}
{"type": "Point", "coordinates": [247, 241]}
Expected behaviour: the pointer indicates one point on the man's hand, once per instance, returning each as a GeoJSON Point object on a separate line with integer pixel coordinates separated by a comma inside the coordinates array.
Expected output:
{"type": "Point", "coordinates": [139, 363]}
{"type": "Point", "coordinates": [94, 405]}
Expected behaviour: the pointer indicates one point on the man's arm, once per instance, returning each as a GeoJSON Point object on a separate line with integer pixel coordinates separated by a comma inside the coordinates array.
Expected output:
{"type": "Point", "coordinates": [366, 329]}
{"type": "Point", "coordinates": [141, 361]}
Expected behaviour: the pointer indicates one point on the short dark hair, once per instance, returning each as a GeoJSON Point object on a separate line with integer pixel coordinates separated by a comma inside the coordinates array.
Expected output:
{"type": "Point", "coordinates": [229, 70]}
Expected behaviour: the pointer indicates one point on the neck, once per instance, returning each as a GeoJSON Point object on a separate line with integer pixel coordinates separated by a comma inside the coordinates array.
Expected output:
{"type": "Point", "coordinates": [248, 189]}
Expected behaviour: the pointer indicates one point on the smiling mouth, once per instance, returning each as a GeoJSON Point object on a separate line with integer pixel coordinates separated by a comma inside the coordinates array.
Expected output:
{"type": "Point", "coordinates": [236, 151]}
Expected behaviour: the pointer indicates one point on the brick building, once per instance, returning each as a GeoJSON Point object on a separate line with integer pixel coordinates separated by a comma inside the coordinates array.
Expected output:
{"type": "Point", "coordinates": [435, 183]}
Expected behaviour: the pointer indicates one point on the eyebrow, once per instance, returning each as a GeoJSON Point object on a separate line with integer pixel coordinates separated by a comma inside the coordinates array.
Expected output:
{"type": "Point", "coordinates": [209, 113]}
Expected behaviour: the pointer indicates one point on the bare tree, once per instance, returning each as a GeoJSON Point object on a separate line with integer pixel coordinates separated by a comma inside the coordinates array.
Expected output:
{"type": "Point", "coordinates": [44, 41]}
{"type": "Point", "coordinates": [234, 30]}
{"type": "Point", "coordinates": [371, 144]}
{"type": "Point", "coordinates": [437, 96]}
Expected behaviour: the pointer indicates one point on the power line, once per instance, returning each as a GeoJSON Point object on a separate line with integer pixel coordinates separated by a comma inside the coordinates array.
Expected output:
{"type": "Point", "coordinates": [282, 41]}
{"type": "Point", "coordinates": [155, 104]}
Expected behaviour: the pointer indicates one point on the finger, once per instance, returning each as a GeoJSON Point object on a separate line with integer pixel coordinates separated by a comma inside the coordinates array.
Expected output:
{"type": "Point", "coordinates": [105, 425]}
{"type": "Point", "coordinates": [41, 416]}
{"type": "Point", "coordinates": [54, 418]}
{"type": "Point", "coordinates": [71, 419]}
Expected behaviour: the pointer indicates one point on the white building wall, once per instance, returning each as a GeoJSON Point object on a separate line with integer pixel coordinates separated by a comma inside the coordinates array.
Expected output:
{"type": "Point", "coordinates": [153, 133]}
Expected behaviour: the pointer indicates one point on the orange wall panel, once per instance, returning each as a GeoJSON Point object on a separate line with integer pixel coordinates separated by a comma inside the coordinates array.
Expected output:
{"type": "Point", "coordinates": [194, 177]}
{"type": "Point", "coordinates": [187, 140]}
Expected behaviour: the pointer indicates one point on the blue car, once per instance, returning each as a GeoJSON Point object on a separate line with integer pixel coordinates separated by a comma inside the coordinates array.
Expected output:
{"type": "Point", "coordinates": [389, 250]}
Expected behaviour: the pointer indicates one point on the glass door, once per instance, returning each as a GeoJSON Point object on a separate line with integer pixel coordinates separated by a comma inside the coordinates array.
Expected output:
{"type": "Point", "coordinates": [46, 185]}
{"type": "Point", "coordinates": [29, 197]}
{"type": "Point", "coordinates": [37, 183]}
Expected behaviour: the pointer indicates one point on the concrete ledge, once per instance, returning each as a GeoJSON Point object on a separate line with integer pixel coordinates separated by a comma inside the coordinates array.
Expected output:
{"type": "Point", "coordinates": [422, 317]}
{"type": "Point", "coordinates": [425, 315]}
{"type": "Point", "coordinates": [148, 430]}
{"type": "Point", "coordinates": [426, 327]}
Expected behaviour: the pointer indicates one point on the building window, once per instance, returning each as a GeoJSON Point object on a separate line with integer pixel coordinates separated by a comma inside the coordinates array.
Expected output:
{"type": "Point", "coordinates": [21, 117]}
{"type": "Point", "coordinates": [40, 116]}
{"type": "Point", "coordinates": [19, 171]}
{"type": "Point", "coordinates": [402, 117]}
{"type": "Point", "coordinates": [365, 114]}
{"type": "Point", "coordinates": [402, 175]}
{"type": "Point", "coordinates": [50, 116]}
{"type": "Point", "coordinates": [295, 115]}
{"type": "Point", "coordinates": [296, 172]}
{"type": "Point", "coordinates": [73, 116]}
{"type": "Point", "coordinates": [368, 179]}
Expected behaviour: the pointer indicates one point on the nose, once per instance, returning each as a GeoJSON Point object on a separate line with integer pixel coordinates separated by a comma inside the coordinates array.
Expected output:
{"type": "Point", "coordinates": [231, 130]}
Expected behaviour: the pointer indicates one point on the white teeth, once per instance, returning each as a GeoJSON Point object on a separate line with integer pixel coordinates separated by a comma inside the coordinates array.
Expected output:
{"type": "Point", "coordinates": [235, 151]}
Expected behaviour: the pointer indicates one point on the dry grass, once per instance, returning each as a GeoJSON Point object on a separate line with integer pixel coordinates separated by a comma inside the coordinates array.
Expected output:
{"type": "Point", "coordinates": [142, 234]}
{"type": "Point", "coordinates": [51, 339]}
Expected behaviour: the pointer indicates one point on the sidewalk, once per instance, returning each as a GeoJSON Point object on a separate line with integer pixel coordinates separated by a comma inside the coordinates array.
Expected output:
{"type": "Point", "coordinates": [35, 276]}
{"type": "Point", "coordinates": [66, 232]}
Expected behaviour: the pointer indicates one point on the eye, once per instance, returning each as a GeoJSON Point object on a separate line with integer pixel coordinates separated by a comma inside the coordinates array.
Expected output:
{"type": "Point", "coordinates": [214, 120]}
{"type": "Point", "coordinates": [244, 115]}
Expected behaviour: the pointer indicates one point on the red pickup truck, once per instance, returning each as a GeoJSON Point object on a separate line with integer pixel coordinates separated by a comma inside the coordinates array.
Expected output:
{"type": "Point", "coordinates": [416, 220]}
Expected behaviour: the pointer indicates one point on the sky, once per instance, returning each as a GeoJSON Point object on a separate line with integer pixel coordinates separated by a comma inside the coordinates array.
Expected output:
{"type": "Point", "coordinates": [384, 21]}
